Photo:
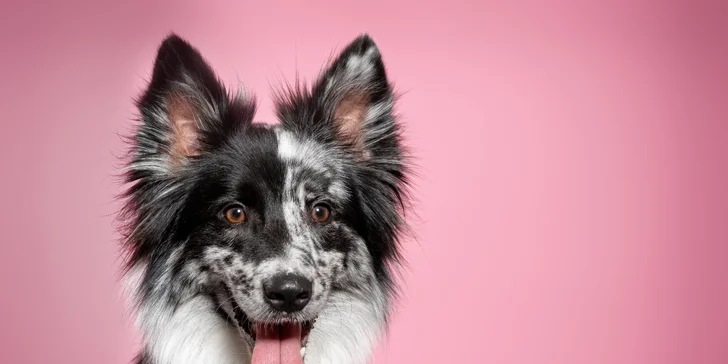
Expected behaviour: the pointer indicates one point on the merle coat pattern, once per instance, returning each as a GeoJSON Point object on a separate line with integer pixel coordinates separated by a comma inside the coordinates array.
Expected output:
{"type": "Point", "coordinates": [197, 278]}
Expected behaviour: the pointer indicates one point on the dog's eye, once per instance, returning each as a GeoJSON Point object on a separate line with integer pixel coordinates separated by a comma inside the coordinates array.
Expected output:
{"type": "Point", "coordinates": [320, 213]}
{"type": "Point", "coordinates": [235, 214]}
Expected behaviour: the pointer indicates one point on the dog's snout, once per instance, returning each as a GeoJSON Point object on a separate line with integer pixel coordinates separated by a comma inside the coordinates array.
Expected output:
{"type": "Point", "coordinates": [288, 292]}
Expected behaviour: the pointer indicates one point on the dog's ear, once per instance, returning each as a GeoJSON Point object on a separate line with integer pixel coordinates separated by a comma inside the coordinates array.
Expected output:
{"type": "Point", "coordinates": [185, 110]}
{"type": "Point", "coordinates": [350, 104]}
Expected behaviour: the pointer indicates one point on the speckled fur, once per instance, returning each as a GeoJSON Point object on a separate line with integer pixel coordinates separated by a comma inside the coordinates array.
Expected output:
{"type": "Point", "coordinates": [195, 279]}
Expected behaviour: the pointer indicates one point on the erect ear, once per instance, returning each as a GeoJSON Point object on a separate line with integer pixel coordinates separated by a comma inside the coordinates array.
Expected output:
{"type": "Point", "coordinates": [357, 98]}
{"type": "Point", "coordinates": [350, 103]}
{"type": "Point", "coordinates": [185, 110]}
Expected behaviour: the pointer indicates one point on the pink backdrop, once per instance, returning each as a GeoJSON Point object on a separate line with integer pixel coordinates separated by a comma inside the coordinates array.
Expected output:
{"type": "Point", "coordinates": [574, 162]}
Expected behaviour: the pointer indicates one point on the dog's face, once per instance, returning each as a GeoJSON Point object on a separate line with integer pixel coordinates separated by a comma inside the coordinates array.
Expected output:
{"type": "Point", "coordinates": [272, 218]}
{"type": "Point", "coordinates": [276, 220]}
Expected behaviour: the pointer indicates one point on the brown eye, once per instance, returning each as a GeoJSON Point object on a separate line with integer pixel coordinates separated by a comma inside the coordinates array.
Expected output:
{"type": "Point", "coordinates": [320, 213]}
{"type": "Point", "coordinates": [235, 214]}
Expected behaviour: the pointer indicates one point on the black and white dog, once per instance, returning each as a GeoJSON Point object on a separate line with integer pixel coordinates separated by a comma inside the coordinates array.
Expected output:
{"type": "Point", "coordinates": [275, 244]}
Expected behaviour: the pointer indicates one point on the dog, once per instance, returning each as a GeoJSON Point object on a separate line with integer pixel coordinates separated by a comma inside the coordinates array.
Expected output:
{"type": "Point", "coordinates": [254, 243]}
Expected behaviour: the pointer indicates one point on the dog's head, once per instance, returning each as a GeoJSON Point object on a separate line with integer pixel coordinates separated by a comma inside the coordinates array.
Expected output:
{"type": "Point", "coordinates": [279, 218]}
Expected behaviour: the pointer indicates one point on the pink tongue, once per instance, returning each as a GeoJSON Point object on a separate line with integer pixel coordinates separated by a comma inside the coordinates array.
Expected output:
{"type": "Point", "coordinates": [279, 344]}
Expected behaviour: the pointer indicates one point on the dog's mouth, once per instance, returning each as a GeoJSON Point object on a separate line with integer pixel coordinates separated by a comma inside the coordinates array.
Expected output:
{"type": "Point", "coordinates": [279, 343]}
{"type": "Point", "coordinates": [252, 329]}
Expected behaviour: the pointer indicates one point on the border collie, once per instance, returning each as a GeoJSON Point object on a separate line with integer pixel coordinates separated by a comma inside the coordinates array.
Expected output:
{"type": "Point", "coordinates": [251, 243]}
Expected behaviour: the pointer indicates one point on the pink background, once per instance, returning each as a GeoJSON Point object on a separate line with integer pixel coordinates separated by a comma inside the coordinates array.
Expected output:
{"type": "Point", "coordinates": [574, 162]}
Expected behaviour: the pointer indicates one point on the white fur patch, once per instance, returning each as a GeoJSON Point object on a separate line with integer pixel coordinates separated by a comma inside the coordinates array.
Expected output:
{"type": "Point", "coordinates": [291, 148]}
{"type": "Point", "coordinates": [192, 334]}
{"type": "Point", "coordinates": [313, 156]}
{"type": "Point", "coordinates": [347, 329]}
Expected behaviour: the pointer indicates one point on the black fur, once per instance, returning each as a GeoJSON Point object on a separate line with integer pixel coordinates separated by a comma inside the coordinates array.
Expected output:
{"type": "Point", "coordinates": [175, 202]}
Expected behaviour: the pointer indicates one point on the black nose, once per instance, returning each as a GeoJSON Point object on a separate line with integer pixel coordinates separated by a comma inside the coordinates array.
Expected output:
{"type": "Point", "coordinates": [288, 292]}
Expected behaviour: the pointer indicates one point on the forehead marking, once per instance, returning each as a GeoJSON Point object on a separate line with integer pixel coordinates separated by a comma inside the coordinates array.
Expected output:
{"type": "Point", "coordinates": [300, 154]}
{"type": "Point", "coordinates": [289, 147]}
